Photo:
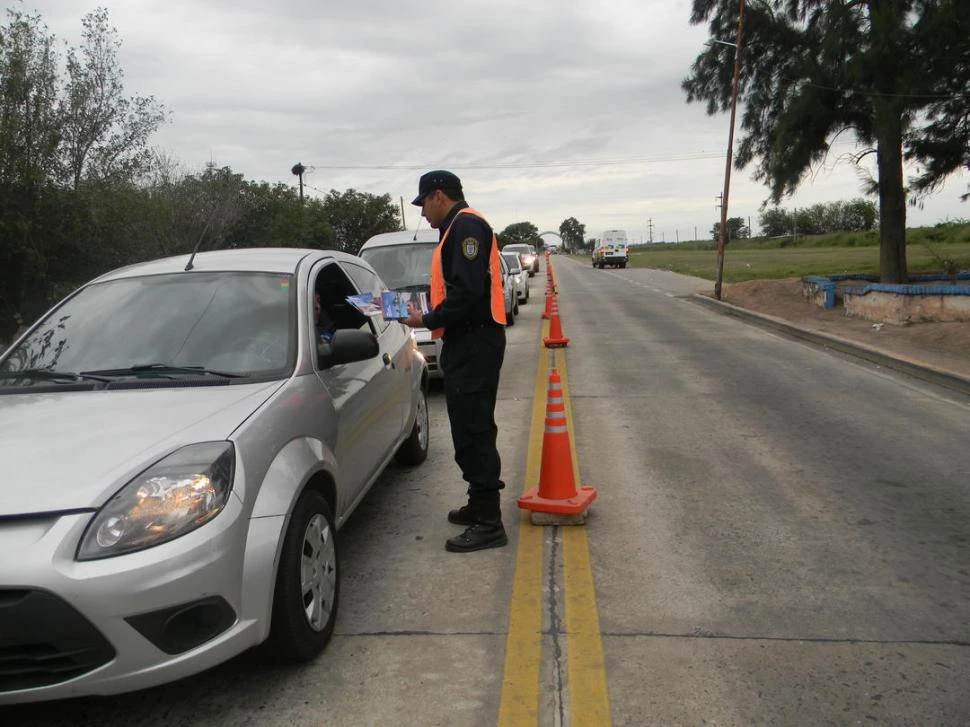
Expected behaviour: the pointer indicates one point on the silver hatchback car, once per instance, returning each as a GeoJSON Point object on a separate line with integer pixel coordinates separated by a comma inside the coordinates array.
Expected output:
{"type": "Point", "coordinates": [180, 440]}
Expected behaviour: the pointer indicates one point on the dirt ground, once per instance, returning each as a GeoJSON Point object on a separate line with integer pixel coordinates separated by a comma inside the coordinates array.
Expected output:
{"type": "Point", "coordinates": [944, 346]}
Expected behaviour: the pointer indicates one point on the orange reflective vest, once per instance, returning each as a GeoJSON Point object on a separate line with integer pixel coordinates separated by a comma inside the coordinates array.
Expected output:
{"type": "Point", "coordinates": [497, 295]}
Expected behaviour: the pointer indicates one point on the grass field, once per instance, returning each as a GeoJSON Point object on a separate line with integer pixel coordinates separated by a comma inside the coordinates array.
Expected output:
{"type": "Point", "coordinates": [821, 255]}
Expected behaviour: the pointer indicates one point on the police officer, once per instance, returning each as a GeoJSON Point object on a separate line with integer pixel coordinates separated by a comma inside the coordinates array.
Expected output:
{"type": "Point", "coordinates": [468, 310]}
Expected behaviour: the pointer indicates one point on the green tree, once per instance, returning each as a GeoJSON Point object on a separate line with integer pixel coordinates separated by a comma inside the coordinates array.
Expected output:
{"type": "Point", "coordinates": [276, 217]}
{"type": "Point", "coordinates": [29, 137]}
{"type": "Point", "coordinates": [104, 134]}
{"type": "Point", "coordinates": [29, 121]}
{"type": "Point", "coordinates": [893, 72]}
{"type": "Point", "coordinates": [572, 233]}
{"type": "Point", "coordinates": [775, 222]}
{"type": "Point", "coordinates": [357, 216]}
{"type": "Point", "coordinates": [857, 215]}
{"type": "Point", "coordinates": [736, 229]}
{"type": "Point", "coordinates": [519, 232]}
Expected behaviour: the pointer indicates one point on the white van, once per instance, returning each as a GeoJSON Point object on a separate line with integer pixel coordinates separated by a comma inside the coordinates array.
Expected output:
{"type": "Point", "coordinates": [611, 250]}
{"type": "Point", "coordinates": [403, 260]}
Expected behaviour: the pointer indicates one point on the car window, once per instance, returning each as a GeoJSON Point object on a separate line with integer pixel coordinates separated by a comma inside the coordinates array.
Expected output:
{"type": "Point", "coordinates": [333, 285]}
{"type": "Point", "coordinates": [512, 260]}
{"type": "Point", "coordinates": [366, 281]}
{"type": "Point", "coordinates": [235, 322]}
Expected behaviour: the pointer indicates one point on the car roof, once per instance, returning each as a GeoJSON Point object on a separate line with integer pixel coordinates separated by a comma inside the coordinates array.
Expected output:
{"type": "Point", "coordinates": [281, 260]}
{"type": "Point", "coordinates": [401, 237]}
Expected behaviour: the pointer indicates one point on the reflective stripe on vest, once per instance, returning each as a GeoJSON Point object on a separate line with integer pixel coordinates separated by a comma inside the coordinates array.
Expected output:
{"type": "Point", "coordinates": [497, 295]}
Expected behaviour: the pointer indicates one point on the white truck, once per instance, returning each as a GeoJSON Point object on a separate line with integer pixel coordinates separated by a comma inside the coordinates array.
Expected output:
{"type": "Point", "coordinates": [612, 250]}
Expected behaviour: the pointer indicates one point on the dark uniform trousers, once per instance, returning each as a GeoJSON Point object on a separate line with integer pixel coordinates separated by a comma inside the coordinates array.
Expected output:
{"type": "Point", "coordinates": [471, 359]}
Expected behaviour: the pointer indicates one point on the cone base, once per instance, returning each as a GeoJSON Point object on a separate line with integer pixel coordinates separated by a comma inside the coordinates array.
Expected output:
{"type": "Point", "coordinates": [531, 500]}
{"type": "Point", "coordinates": [556, 518]}
{"type": "Point", "coordinates": [555, 342]}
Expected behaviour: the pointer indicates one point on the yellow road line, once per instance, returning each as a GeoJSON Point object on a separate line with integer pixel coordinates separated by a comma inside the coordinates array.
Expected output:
{"type": "Point", "coordinates": [588, 692]}
{"type": "Point", "coordinates": [523, 645]}
{"type": "Point", "coordinates": [589, 701]}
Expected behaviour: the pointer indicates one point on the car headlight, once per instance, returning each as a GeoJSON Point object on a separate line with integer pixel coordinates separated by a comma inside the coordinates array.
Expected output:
{"type": "Point", "coordinates": [171, 498]}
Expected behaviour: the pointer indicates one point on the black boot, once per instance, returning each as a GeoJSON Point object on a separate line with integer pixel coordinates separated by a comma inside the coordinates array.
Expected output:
{"type": "Point", "coordinates": [486, 531]}
{"type": "Point", "coordinates": [464, 515]}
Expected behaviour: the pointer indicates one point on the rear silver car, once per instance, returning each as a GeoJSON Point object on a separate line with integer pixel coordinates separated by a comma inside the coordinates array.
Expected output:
{"type": "Point", "coordinates": [178, 451]}
{"type": "Point", "coordinates": [519, 276]}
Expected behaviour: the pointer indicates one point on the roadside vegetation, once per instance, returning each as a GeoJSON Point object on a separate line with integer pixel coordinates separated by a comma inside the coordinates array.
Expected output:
{"type": "Point", "coordinates": [928, 250]}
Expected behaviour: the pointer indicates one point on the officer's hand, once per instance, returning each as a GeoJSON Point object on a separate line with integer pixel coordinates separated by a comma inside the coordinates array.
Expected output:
{"type": "Point", "coordinates": [414, 319]}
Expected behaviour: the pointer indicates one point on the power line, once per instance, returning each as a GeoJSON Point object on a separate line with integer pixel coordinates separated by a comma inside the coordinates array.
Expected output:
{"type": "Point", "coordinates": [537, 165]}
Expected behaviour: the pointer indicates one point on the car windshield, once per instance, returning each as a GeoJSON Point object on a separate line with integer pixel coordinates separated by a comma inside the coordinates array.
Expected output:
{"type": "Point", "coordinates": [238, 323]}
{"type": "Point", "coordinates": [402, 266]}
{"type": "Point", "coordinates": [513, 260]}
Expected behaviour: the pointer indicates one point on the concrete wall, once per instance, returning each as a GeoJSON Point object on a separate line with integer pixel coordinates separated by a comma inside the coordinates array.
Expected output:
{"type": "Point", "coordinates": [900, 309]}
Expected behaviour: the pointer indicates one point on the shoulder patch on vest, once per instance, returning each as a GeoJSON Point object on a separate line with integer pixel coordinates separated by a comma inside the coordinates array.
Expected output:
{"type": "Point", "coordinates": [469, 248]}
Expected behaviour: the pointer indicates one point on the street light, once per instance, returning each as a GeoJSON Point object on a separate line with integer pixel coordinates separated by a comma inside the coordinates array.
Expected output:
{"type": "Point", "coordinates": [722, 231]}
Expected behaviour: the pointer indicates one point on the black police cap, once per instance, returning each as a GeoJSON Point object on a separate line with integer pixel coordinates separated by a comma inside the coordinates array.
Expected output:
{"type": "Point", "coordinates": [438, 179]}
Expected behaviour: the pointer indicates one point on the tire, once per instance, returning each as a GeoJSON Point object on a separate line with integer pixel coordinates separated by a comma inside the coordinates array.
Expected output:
{"type": "Point", "coordinates": [414, 449]}
{"type": "Point", "coordinates": [309, 548]}
{"type": "Point", "coordinates": [622, 266]}
{"type": "Point", "coordinates": [515, 307]}
{"type": "Point", "coordinates": [510, 317]}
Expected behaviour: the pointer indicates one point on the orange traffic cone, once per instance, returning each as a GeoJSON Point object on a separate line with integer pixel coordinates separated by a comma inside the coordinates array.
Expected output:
{"type": "Point", "coordinates": [548, 309]}
{"type": "Point", "coordinates": [556, 493]}
{"type": "Point", "coordinates": [555, 339]}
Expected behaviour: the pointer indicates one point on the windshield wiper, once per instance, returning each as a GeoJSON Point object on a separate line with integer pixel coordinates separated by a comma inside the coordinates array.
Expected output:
{"type": "Point", "coordinates": [51, 375]}
{"type": "Point", "coordinates": [160, 369]}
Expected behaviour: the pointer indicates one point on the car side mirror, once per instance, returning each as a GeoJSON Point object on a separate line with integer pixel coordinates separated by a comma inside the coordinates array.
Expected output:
{"type": "Point", "coordinates": [347, 346]}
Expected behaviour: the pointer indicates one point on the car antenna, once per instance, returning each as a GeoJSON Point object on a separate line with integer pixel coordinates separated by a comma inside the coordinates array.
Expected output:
{"type": "Point", "coordinates": [415, 238]}
{"type": "Point", "coordinates": [188, 265]}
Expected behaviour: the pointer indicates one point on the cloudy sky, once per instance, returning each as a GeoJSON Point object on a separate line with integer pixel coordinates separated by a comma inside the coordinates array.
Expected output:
{"type": "Point", "coordinates": [546, 109]}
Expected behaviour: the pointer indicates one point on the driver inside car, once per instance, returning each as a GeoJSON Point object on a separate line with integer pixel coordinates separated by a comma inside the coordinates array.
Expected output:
{"type": "Point", "coordinates": [322, 324]}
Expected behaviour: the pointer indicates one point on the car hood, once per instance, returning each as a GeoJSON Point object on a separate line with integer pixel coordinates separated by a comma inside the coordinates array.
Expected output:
{"type": "Point", "coordinates": [74, 450]}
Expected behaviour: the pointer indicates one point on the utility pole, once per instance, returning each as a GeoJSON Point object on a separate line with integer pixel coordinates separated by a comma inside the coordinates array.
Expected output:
{"type": "Point", "coordinates": [650, 227]}
{"type": "Point", "coordinates": [722, 232]}
{"type": "Point", "coordinates": [298, 170]}
{"type": "Point", "coordinates": [404, 222]}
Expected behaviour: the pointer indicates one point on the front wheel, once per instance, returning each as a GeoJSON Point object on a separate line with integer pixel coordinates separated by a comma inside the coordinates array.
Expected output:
{"type": "Point", "coordinates": [414, 449]}
{"type": "Point", "coordinates": [307, 583]}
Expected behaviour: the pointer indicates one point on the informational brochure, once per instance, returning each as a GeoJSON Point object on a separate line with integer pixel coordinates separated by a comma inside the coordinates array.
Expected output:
{"type": "Point", "coordinates": [366, 303]}
{"type": "Point", "coordinates": [394, 303]}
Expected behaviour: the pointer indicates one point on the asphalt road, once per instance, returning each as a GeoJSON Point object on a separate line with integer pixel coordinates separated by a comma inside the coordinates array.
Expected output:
{"type": "Point", "coordinates": [781, 536]}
